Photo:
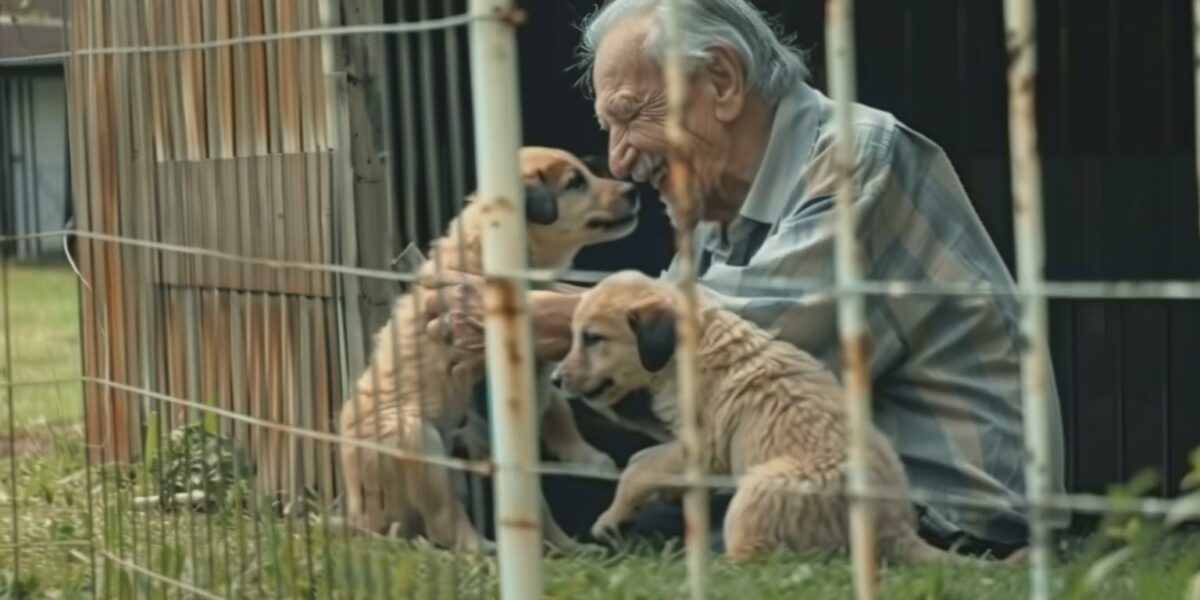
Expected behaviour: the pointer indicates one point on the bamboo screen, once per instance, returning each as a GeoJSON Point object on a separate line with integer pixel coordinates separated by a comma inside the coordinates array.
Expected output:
{"type": "Point", "coordinates": [226, 148]}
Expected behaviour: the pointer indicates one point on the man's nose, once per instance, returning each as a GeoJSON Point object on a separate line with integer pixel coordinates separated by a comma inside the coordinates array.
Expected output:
{"type": "Point", "coordinates": [621, 158]}
{"type": "Point", "coordinates": [556, 378]}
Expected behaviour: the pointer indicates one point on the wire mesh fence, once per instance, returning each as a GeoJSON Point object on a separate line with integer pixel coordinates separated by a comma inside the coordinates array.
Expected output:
{"type": "Point", "coordinates": [260, 407]}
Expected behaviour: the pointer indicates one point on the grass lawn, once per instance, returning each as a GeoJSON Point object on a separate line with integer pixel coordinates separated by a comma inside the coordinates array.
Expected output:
{"type": "Point", "coordinates": [68, 519]}
{"type": "Point", "coordinates": [240, 553]}
{"type": "Point", "coordinates": [44, 336]}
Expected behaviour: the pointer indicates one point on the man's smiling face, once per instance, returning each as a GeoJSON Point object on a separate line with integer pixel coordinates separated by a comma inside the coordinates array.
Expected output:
{"type": "Point", "coordinates": [631, 105]}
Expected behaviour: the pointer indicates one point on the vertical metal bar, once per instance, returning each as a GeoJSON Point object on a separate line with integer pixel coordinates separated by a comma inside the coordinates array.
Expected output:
{"type": "Point", "coordinates": [695, 501]}
{"type": "Point", "coordinates": [12, 416]}
{"type": "Point", "coordinates": [33, 210]}
{"type": "Point", "coordinates": [507, 325]}
{"type": "Point", "coordinates": [1027, 220]}
{"type": "Point", "coordinates": [839, 38]}
{"type": "Point", "coordinates": [1196, 62]}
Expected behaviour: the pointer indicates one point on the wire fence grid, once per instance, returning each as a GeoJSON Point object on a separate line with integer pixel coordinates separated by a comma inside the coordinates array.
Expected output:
{"type": "Point", "coordinates": [233, 170]}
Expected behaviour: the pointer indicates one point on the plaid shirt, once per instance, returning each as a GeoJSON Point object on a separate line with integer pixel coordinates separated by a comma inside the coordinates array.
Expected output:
{"type": "Point", "coordinates": [945, 370]}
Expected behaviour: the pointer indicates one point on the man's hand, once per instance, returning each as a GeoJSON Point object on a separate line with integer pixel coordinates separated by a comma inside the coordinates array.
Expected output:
{"type": "Point", "coordinates": [452, 308]}
{"type": "Point", "coordinates": [454, 313]}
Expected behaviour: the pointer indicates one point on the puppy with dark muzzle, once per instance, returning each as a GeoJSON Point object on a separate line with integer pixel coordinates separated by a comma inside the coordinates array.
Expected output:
{"type": "Point", "coordinates": [770, 414]}
{"type": "Point", "coordinates": [415, 398]}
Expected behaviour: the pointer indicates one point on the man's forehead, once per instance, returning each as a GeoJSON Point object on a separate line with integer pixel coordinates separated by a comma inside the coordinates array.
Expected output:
{"type": "Point", "coordinates": [619, 56]}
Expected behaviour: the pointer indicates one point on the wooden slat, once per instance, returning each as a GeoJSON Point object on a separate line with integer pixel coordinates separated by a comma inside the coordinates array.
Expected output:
{"type": "Point", "coordinates": [223, 14]}
{"type": "Point", "coordinates": [189, 25]}
{"type": "Point", "coordinates": [150, 20]}
{"type": "Point", "coordinates": [287, 70]}
{"type": "Point", "coordinates": [256, 19]}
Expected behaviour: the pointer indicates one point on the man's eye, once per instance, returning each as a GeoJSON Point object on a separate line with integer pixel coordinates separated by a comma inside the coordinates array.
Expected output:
{"type": "Point", "coordinates": [591, 339]}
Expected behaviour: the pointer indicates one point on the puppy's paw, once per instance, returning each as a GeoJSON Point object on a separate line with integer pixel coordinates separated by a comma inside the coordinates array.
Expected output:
{"type": "Point", "coordinates": [587, 455]}
{"type": "Point", "coordinates": [607, 525]}
{"type": "Point", "coordinates": [481, 546]}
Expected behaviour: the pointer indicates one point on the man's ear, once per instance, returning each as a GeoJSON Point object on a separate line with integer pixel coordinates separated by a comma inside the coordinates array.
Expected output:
{"type": "Point", "coordinates": [654, 328]}
{"type": "Point", "coordinates": [727, 75]}
{"type": "Point", "coordinates": [541, 203]}
{"type": "Point", "coordinates": [597, 164]}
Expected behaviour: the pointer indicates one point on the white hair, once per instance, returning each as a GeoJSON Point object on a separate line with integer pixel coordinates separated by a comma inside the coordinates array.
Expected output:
{"type": "Point", "coordinates": [771, 63]}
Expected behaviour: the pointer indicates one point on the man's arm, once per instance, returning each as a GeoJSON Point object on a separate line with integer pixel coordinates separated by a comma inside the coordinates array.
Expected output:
{"type": "Point", "coordinates": [456, 312]}
{"type": "Point", "coordinates": [551, 312]}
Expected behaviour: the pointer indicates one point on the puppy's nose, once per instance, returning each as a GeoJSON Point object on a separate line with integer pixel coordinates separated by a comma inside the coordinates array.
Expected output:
{"type": "Point", "coordinates": [629, 192]}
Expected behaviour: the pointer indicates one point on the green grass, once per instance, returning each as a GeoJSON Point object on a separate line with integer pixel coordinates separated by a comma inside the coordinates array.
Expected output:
{"type": "Point", "coordinates": [66, 517]}
{"type": "Point", "coordinates": [258, 553]}
{"type": "Point", "coordinates": [44, 335]}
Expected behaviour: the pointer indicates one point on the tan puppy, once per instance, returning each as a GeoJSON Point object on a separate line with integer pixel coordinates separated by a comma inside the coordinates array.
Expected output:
{"type": "Point", "coordinates": [770, 414]}
{"type": "Point", "coordinates": [409, 399]}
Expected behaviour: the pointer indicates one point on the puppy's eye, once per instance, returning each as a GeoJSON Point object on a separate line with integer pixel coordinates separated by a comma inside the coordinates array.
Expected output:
{"type": "Point", "coordinates": [577, 181]}
{"type": "Point", "coordinates": [591, 339]}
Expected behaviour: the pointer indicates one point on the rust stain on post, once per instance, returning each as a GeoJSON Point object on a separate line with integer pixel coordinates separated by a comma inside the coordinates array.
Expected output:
{"type": "Point", "coordinates": [517, 523]}
{"type": "Point", "coordinates": [854, 355]}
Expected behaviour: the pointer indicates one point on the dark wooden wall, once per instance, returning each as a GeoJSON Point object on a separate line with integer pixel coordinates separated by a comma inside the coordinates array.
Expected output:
{"type": "Point", "coordinates": [1115, 102]}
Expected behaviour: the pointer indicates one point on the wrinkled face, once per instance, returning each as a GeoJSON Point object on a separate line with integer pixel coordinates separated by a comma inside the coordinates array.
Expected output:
{"type": "Point", "coordinates": [623, 333]}
{"type": "Point", "coordinates": [631, 105]}
{"type": "Point", "coordinates": [567, 203]}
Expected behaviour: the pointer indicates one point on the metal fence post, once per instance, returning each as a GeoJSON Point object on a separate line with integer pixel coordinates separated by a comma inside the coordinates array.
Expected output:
{"type": "Point", "coordinates": [1196, 63]}
{"type": "Point", "coordinates": [1027, 220]}
{"type": "Point", "coordinates": [839, 37]}
{"type": "Point", "coordinates": [509, 345]}
{"type": "Point", "coordinates": [695, 501]}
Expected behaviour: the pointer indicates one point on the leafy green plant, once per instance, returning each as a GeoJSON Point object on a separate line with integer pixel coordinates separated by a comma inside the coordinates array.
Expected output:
{"type": "Point", "coordinates": [197, 462]}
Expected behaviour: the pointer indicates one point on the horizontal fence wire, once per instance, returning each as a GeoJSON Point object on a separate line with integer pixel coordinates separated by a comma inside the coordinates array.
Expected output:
{"type": "Point", "coordinates": [1081, 290]}
{"type": "Point", "coordinates": [344, 30]}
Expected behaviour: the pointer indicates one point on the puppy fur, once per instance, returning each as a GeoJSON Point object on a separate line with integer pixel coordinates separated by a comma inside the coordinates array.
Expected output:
{"type": "Point", "coordinates": [408, 398]}
{"type": "Point", "coordinates": [771, 414]}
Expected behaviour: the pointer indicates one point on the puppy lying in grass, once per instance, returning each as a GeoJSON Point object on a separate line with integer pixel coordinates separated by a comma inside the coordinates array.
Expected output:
{"type": "Point", "coordinates": [409, 398]}
{"type": "Point", "coordinates": [770, 414]}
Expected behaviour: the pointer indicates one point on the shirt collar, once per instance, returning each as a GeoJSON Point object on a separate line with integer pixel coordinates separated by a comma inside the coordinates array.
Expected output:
{"type": "Point", "coordinates": [794, 130]}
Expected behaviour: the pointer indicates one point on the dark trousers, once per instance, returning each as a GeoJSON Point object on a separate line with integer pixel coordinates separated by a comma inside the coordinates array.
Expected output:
{"type": "Point", "coordinates": [662, 520]}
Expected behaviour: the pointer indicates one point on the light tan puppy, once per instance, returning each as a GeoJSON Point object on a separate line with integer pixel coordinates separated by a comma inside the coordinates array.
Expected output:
{"type": "Point", "coordinates": [408, 397]}
{"type": "Point", "coordinates": [770, 414]}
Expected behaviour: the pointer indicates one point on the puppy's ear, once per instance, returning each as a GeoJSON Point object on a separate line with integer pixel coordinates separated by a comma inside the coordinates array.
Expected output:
{"type": "Point", "coordinates": [654, 328]}
{"type": "Point", "coordinates": [597, 164]}
{"type": "Point", "coordinates": [541, 203]}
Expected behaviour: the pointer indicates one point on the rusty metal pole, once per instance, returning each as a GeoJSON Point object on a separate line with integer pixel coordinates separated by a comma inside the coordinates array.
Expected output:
{"type": "Point", "coordinates": [509, 346]}
{"type": "Point", "coordinates": [851, 313]}
{"type": "Point", "coordinates": [695, 500]}
{"type": "Point", "coordinates": [1027, 220]}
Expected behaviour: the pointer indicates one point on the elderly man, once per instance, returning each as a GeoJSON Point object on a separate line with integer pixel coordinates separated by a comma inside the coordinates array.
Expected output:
{"type": "Point", "coordinates": [945, 371]}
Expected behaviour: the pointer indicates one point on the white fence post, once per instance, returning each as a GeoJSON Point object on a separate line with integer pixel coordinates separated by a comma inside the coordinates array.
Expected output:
{"type": "Point", "coordinates": [695, 501]}
{"type": "Point", "coordinates": [1027, 219]}
{"type": "Point", "coordinates": [839, 38]}
{"type": "Point", "coordinates": [509, 345]}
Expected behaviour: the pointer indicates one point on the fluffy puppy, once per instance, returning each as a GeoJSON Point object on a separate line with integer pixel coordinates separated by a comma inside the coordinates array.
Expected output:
{"type": "Point", "coordinates": [771, 414]}
{"type": "Point", "coordinates": [408, 398]}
